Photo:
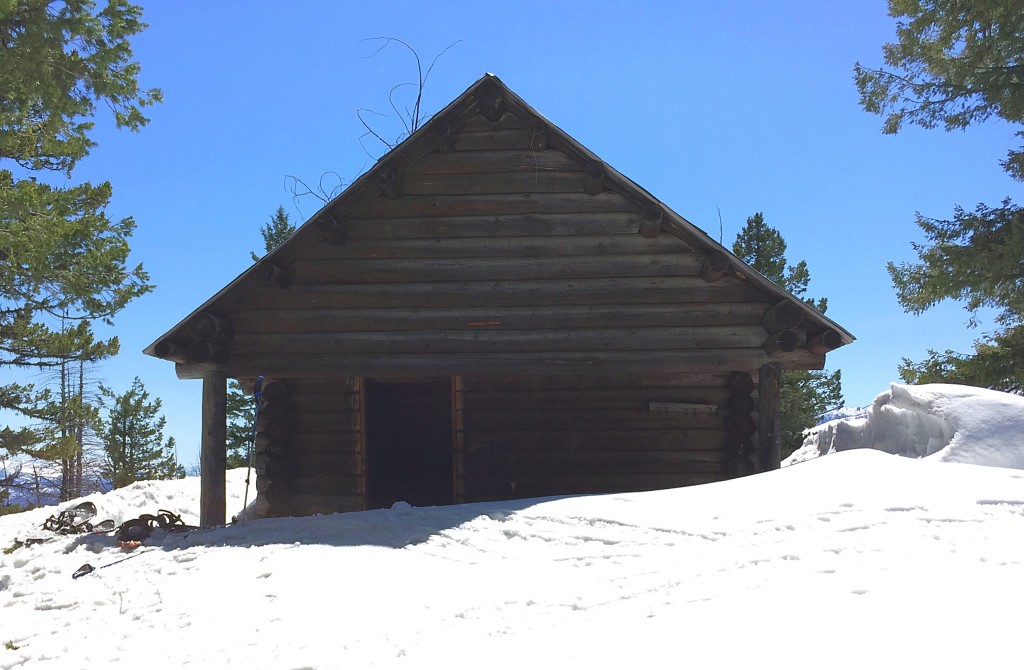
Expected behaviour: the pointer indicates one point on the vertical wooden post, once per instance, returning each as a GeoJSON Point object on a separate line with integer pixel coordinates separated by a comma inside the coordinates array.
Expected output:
{"type": "Point", "coordinates": [213, 451]}
{"type": "Point", "coordinates": [769, 416]}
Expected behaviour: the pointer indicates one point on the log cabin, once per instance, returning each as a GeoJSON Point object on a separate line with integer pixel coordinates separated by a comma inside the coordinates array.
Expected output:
{"type": "Point", "coordinates": [492, 312]}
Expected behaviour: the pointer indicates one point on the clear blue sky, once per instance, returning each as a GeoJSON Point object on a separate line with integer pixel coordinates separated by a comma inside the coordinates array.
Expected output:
{"type": "Point", "coordinates": [728, 106]}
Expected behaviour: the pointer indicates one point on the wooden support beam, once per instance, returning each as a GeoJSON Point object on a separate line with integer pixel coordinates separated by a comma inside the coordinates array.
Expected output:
{"type": "Point", "coordinates": [388, 182]}
{"type": "Point", "coordinates": [769, 412]}
{"type": "Point", "coordinates": [825, 342]}
{"type": "Point", "coordinates": [650, 221]}
{"type": "Point", "coordinates": [783, 315]}
{"type": "Point", "coordinates": [491, 101]}
{"type": "Point", "coordinates": [715, 266]}
{"type": "Point", "coordinates": [593, 178]}
{"type": "Point", "coordinates": [213, 451]}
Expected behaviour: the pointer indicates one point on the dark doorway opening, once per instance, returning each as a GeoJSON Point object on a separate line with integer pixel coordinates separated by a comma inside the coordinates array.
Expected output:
{"type": "Point", "coordinates": [408, 442]}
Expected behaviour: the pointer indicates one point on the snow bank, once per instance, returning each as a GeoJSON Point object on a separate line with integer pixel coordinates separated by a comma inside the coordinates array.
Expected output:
{"type": "Point", "coordinates": [945, 422]}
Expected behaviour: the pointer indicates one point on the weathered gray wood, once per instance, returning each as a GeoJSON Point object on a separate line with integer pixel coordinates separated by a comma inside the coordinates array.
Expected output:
{"type": "Point", "coordinates": [171, 351]}
{"type": "Point", "coordinates": [769, 412]}
{"type": "Point", "coordinates": [207, 326]}
{"type": "Point", "coordinates": [492, 183]}
{"type": "Point", "coordinates": [213, 451]}
{"type": "Point", "coordinates": [594, 175]}
{"type": "Point", "coordinates": [698, 443]}
{"type": "Point", "coordinates": [499, 488]}
{"type": "Point", "coordinates": [715, 266]}
{"type": "Point", "coordinates": [503, 341]}
{"type": "Point", "coordinates": [499, 247]}
{"type": "Point", "coordinates": [491, 205]}
{"type": "Point", "coordinates": [331, 365]}
{"type": "Point", "coordinates": [489, 294]}
{"type": "Point", "coordinates": [785, 341]}
{"type": "Point", "coordinates": [824, 342]}
{"type": "Point", "coordinates": [515, 224]}
{"type": "Point", "coordinates": [592, 464]}
{"type": "Point", "coordinates": [494, 140]}
{"type": "Point", "coordinates": [669, 380]}
{"type": "Point", "coordinates": [360, 271]}
{"type": "Point", "coordinates": [784, 315]}
{"type": "Point", "coordinates": [476, 162]}
{"type": "Point", "coordinates": [477, 122]}
{"type": "Point", "coordinates": [591, 398]}
{"type": "Point", "coordinates": [651, 220]}
{"type": "Point", "coordinates": [282, 320]}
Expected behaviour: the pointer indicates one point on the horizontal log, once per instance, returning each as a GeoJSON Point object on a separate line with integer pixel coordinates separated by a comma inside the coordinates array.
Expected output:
{"type": "Point", "coordinates": [669, 380]}
{"type": "Point", "coordinates": [207, 326]}
{"type": "Point", "coordinates": [538, 139]}
{"type": "Point", "coordinates": [333, 365]}
{"type": "Point", "coordinates": [499, 183]}
{"type": "Point", "coordinates": [515, 246]}
{"type": "Point", "coordinates": [361, 271]}
{"type": "Point", "coordinates": [282, 320]}
{"type": "Point", "coordinates": [202, 351]}
{"type": "Point", "coordinates": [494, 140]}
{"type": "Point", "coordinates": [471, 295]}
{"type": "Point", "coordinates": [496, 464]}
{"type": "Point", "coordinates": [548, 224]}
{"type": "Point", "coordinates": [590, 398]}
{"type": "Point", "coordinates": [431, 206]}
{"type": "Point", "coordinates": [486, 340]}
{"type": "Point", "coordinates": [698, 443]}
{"type": "Point", "coordinates": [584, 419]}
{"type": "Point", "coordinates": [477, 162]}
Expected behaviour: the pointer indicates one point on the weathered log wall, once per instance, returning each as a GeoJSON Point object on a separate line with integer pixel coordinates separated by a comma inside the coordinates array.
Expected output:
{"type": "Point", "coordinates": [309, 448]}
{"type": "Point", "coordinates": [534, 436]}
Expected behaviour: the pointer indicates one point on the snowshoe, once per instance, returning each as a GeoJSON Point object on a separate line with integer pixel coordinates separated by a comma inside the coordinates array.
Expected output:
{"type": "Point", "coordinates": [72, 520]}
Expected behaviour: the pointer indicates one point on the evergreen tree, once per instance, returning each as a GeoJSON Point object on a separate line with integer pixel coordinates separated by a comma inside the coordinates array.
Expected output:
{"type": "Point", "coordinates": [806, 394]}
{"type": "Point", "coordinates": [275, 231]}
{"type": "Point", "coordinates": [955, 64]}
{"type": "Point", "coordinates": [133, 439]}
{"type": "Point", "coordinates": [63, 263]}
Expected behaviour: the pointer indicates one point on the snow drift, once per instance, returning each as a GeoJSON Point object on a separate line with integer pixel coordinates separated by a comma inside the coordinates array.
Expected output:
{"type": "Point", "coordinates": [945, 422]}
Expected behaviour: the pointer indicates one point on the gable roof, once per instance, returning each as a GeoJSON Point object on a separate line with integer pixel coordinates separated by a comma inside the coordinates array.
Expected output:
{"type": "Point", "coordinates": [491, 98]}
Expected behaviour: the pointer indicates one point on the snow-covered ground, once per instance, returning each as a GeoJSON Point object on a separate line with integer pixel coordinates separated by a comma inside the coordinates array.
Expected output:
{"type": "Point", "coordinates": [861, 559]}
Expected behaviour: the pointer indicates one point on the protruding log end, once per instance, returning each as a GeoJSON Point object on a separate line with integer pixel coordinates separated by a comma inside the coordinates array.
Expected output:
{"type": "Point", "coordinates": [491, 101]}
{"type": "Point", "coordinates": [170, 351]}
{"type": "Point", "coordinates": [388, 182]}
{"type": "Point", "coordinates": [213, 328]}
{"type": "Point", "coordinates": [785, 341]}
{"type": "Point", "coordinates": [740, 384]}
{"type": "Point", "coordinates": [650, 221]}
{"type": "Point", "coordinates": [593, 178]}
{"type": "Point", "coordinates": [443, 137]}
{"type": "Point", "coordinates": [825, 342]}
{"type": "Point", "coordinates": [784, 315]}
{"type": "Point", "coordinates": [330, 225]}
{"type": "Point", "coordinates": [715, 266]}
{"type": "Point", "coordinates": [204, 351]}
{"type": "Point", "coordinates": [274, 274]}
{"type": "Point", "coordinates": [539, 139]}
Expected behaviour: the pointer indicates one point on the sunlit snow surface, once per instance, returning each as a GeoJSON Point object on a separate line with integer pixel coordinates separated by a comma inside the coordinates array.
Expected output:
{"type": "Point", "coordinates": [857, 560]}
